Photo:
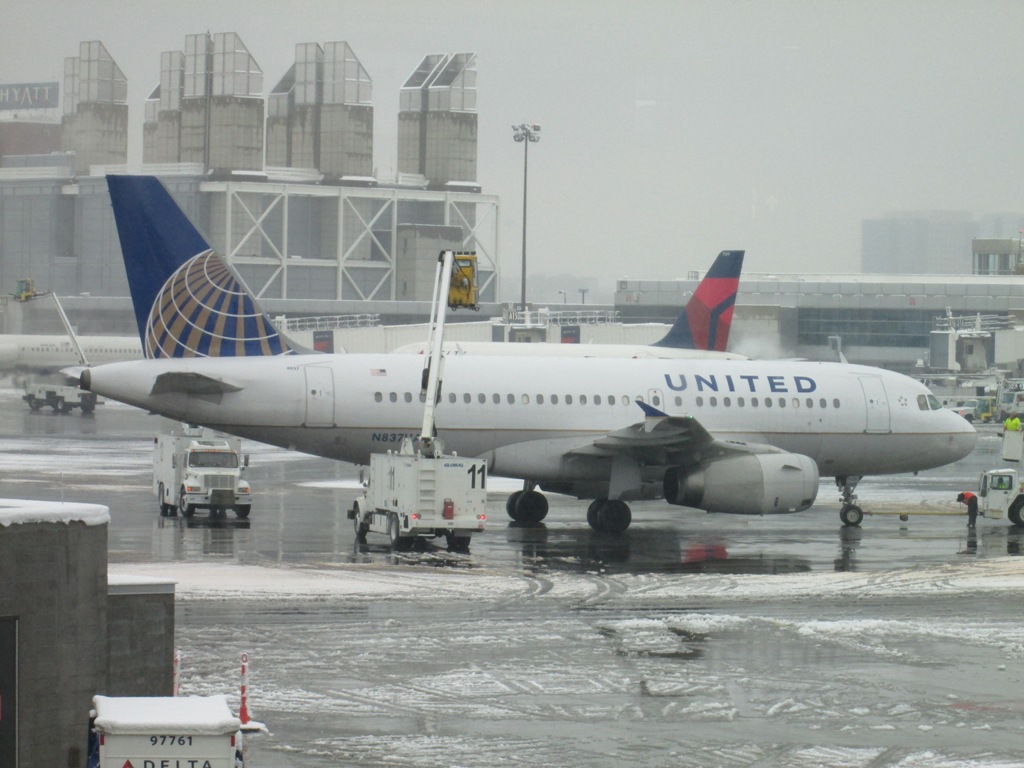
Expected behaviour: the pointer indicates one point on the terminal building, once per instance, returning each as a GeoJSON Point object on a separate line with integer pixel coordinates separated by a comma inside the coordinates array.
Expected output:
{"type": "Point", "coordinates": [285, 188]}
{"type": "Point", "coordinates": [289, 197]}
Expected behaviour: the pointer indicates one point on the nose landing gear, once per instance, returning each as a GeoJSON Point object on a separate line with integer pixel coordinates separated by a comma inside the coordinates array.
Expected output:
{"type": "Point", "coordinates": [850, 513]}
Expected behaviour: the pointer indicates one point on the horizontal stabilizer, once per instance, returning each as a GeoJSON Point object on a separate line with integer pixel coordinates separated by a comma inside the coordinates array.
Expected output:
{"type": "Point", "coordinates": [185, 383]}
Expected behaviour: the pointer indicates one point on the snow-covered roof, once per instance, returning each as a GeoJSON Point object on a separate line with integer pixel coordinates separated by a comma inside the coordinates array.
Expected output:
{"type": "Point", "coordinates": [22, 511]}
{"type": "Point", "coordinates": [203, 715]}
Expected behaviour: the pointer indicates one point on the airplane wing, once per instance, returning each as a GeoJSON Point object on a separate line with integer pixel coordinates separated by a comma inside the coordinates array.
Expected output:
{"type": "Point", "coordinates": [664, 439]}
{"type": "Point", "coordinates": [187, 383]}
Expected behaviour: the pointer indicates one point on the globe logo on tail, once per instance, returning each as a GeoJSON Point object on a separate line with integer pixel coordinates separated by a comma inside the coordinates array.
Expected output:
{"type": "Point", "coordinates": [204, 311]}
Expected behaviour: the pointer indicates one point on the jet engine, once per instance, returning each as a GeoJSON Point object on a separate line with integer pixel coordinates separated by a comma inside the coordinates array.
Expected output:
{"type": "Point", "coordinates": [746, 484]}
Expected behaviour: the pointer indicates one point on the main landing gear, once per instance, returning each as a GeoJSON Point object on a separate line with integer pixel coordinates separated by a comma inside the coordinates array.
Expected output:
{"type": "Point", "coordinates": [530, 506]}
{"type": "Point", "coordinates": [850, 513]}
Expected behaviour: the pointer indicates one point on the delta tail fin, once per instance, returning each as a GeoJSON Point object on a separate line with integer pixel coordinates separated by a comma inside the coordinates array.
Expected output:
{"type": "Point", "coordinates": [706, 319]}
{"type": "Point", "coordinates": [188, 302]}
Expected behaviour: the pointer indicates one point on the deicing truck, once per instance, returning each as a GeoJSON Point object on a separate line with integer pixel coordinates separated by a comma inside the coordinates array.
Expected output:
{"type": "Point", "coordinates": [199, 469]}
{"type": "Point", "coordinates": [410, 496]}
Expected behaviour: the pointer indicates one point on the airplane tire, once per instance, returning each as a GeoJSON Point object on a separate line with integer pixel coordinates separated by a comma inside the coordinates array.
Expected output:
{"type": "Point", "coordinates": [531, 507]}
{"type": "Point", "coordinates": [511, 503]}
{"type": "Point", "coordinates": [242, 511]}
{"type": "Point", "coordinates": [615, 516]}
{"type": "Point", "coordinates": [594, 513]}
{"type": "Point", "coordinates": [851, 515]}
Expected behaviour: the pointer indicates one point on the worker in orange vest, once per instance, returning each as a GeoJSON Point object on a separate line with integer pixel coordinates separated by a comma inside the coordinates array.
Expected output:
{"type": "Point", "coordinates": [971, 500]}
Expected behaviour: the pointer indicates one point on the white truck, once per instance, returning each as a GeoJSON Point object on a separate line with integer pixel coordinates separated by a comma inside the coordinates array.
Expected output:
{"type": "Point", "coordinates": [199, 469]}
{"type": "Point", "coordinates": [1000, 496]}
{"type": "Point", "coordinates": [410, 496]}
{"type": "Point", "coordinates": [62, 399]}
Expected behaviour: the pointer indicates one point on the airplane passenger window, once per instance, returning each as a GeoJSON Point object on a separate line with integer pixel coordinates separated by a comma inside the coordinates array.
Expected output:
{"type": "Point", "coordinates": [712, 401]}
{"type": "Point", "coordinates": [679, 400]}
{"type": "Point", "coordinates": [782, 402]}
{"type": "Point", "coordinates": [481, 398]}
{"type": "Point", "coordinates": [583, 399]}
{"type": "Point", "coordinates": [408, 397]}
{"type": "Point", "coordinates": [511, 399]}
{"type": "Point", "coordinates": [699, 402]}
{"type": "Point", "coordinates": [526, 399]}
{"type": "Point", "coordinates": [823, 403]}
{"type": "Point", "coordinates": [726, 402]}
{"type": "Point", "coordinates": [393, 397]}
{"type": "Point", "coordinates": [554, 399]}
{"type": "Point", "coordinates": [625, 399]}
{"type": "Point", "coordinates": [540, 399]}
{"type": "Point", "coordinates": [423, 398]}
{"type": "Point", "coordinates": [655, 400]}
{"type": "Point", "coordinates": [496, 398]}
{"type": "Point", "coordinates": [810, 402]}
{"type": "Point", "coordinates": [568, 399]}
{"type": "Point", "coordinates": [739, 402]}
{"type": "Point", "coordinates": [467, 398]}
{"type": "Point", "coordinates": [796, 402]}
{"type": "Point", "coordinates": [767, 402]}
{"type": "Point", "coordinates": [451, 397]}
{"type": "Point", "coordinates": [377, 396]}
{"type": "Point", "coordinates": [753, 402]}
{"type": "Point", "coordinates": [597, 399]}
{"type": "Point", "coordinates": [835, 403]}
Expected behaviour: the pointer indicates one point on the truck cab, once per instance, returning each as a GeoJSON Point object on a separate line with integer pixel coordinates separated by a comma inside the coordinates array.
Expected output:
{"type": "Point", "coordinates": [1001, 496]}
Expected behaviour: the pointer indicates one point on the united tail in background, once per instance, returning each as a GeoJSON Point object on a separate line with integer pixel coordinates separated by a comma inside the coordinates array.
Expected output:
{"type": "Point", "coordinates": [707, 319]}
{"type": "Point", "coordinates": [188, 302]}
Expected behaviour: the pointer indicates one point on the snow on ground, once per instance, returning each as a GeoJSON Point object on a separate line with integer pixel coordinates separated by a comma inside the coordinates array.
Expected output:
{"type": "Point", "coordinates": [217, 581]}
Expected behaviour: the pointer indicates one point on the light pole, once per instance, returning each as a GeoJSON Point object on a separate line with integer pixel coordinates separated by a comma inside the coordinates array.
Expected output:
{"type": "Point", "coordinates": [583, 295]}
{"type": "Point", "coordinates": [525, 133]}
{"type": "Point", "coordinates": [564, 300]}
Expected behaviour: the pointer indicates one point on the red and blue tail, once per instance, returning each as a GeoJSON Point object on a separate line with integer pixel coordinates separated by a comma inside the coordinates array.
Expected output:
{"type": "Point", "coordinates": [707, 317]}
{"type": "Point", "coordinates": [188, 302]}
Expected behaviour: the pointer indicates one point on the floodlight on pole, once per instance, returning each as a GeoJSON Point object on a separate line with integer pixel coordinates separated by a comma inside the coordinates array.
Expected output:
{"type": "Point", "coordinates": [583, 294]}
{"type": "Point", "coordinates": [564, 299]}
{"type": "Point", "coordinates": [525, 132]}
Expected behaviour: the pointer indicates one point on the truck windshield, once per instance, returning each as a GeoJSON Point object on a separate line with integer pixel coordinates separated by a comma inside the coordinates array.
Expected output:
{"type": "Point", "coordinates": [218, 459]}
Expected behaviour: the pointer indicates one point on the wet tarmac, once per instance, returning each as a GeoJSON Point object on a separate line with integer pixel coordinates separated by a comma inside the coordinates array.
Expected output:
{"type": "Point", "coordinates": [692, 639]}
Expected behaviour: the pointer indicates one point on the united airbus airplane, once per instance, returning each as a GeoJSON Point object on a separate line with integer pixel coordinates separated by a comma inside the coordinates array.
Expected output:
{"type": "Point", "coordinates": [700, 331]}
{"type": "Point", "coordinates": [735, 436]}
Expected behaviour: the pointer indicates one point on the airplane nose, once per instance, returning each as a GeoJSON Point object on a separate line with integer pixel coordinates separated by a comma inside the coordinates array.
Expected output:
{"type": "Point", "coordinates": [963, 437]}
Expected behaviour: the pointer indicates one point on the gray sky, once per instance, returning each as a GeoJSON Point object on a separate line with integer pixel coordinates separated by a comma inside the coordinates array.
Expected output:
{"type": "Point", "coordinates": [671, 129]}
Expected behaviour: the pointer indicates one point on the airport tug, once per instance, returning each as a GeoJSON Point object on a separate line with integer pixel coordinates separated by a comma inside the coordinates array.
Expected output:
{"type": "Point", "coordinates": [1001, 490]}
{"type": "Point", "coordinates": [419, 492]}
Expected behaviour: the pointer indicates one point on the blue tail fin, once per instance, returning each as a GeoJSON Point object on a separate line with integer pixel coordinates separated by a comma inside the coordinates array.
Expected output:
{"type": "Point", "coordinates": [707, 317]}
{"type": "Point", "coordinates": [188, 302]}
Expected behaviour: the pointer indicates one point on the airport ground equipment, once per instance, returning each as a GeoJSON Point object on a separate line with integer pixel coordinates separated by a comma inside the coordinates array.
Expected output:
{"type": "Point", "coordinates": [27, 290]}
{"type": "Point", "coordinates": [197, 468]}
{"type": "Point", "coordinates": [419, 492]}
{"type": "Point", "coordinates": [1001, 490]}
{"type": "Point", "coordinates": [411, 496]}
{"type": "Point", "coordinates": [62, 399]}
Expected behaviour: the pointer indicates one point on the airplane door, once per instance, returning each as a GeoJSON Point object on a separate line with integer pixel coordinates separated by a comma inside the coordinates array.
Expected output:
{"type": "Point", "coordinates": [876, 403]}
{"type": "Point", "coordinates": [655, 398]}
{"type": "Point", "coordinates": [319, 396]}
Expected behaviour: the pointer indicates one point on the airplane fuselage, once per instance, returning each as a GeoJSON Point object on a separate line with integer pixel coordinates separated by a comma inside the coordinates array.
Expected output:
{"type": "Point", "coordinates": [51, 352]}
{"type": "Point", "coordinates": [525, 414]}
